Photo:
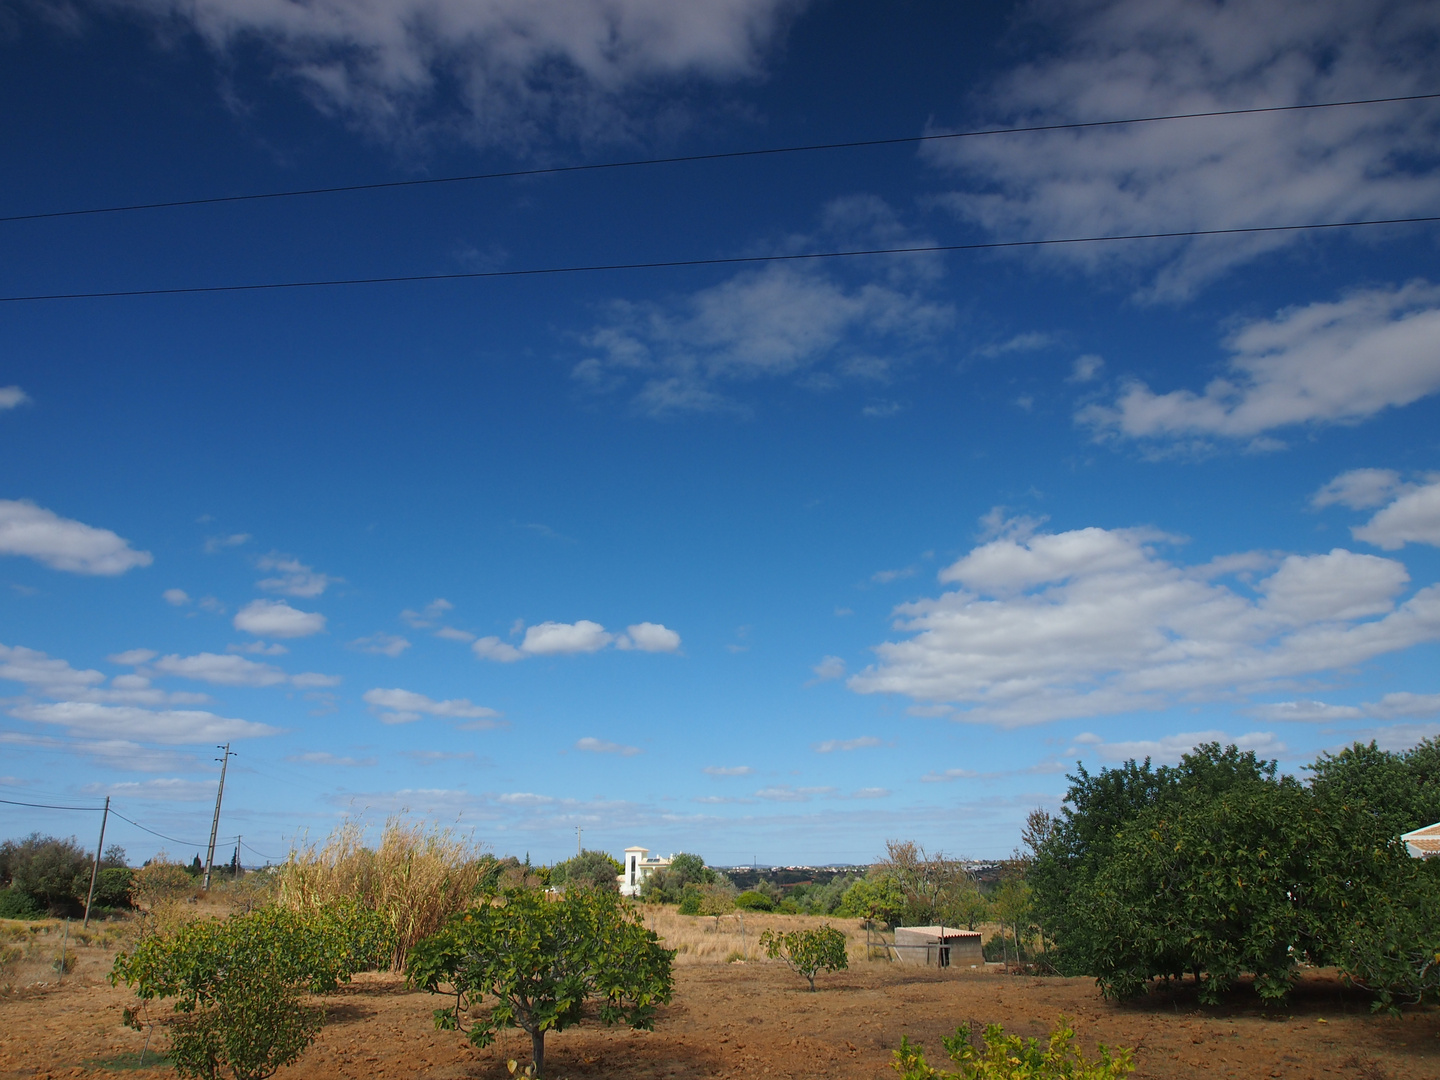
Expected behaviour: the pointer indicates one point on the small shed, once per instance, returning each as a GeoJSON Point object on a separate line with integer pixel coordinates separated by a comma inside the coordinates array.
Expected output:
{"type": "Point", "coordinates": [938, 946]}
{"type": "Point", "coordinates": [1423, 843]}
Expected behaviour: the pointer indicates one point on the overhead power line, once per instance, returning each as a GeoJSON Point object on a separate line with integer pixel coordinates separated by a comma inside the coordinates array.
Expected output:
{"type": "Point", "coordinates": [162, 836]}
{"type": "Point", "coordinates": [735, 260]}
{"type": "Point", "coordinates": [853, 144]}
{"type": "Point", "coordinates": [48, 806]}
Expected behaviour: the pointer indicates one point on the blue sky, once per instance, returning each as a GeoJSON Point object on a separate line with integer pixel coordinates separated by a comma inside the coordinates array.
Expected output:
{"type": "Point", "coordinates": [770, 561]}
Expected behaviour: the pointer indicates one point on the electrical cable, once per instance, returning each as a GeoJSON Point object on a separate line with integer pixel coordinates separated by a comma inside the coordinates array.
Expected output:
{"type": "Point", "coordinates": [718, 156]}
{"type": "Point", "coordinates": [736, 260]}
{"type": "Point", "coordinates": [267, 858]}
{"type": "Point", "coordinates": [162, 836]}
{"type": "Point", "coordinates": [47, 806]}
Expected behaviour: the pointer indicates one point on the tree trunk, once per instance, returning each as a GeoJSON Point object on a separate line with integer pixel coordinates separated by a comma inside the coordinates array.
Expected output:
{"type": "Point", "coordinates": [537, 1052]}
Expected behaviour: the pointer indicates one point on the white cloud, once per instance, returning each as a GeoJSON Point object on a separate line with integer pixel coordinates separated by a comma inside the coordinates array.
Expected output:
{"type": "Point", "coordinates": [295, 578]}
{"type": "Point", "coordinates": [1124, 58]}
{"type": "Point", "coordinates": [259, 648]}
{"type": "Point", "coordinates": [1026, 342]}
{"type": "Point", "coordinates": [406, 706]}
{"type": "Point", "coordinates": [131, 657]}
{"type": "Point", "coordinates": [786, 793]}
{"type": "Point", "coordinates": [275, 618]}
{"type": "Point", "coordinates": [829, 746]}
{"type": "Point", "coordinates": [130, 722]}
{"type": "Point", "coordinates": [12, 397]}
{"type": "Point", "coordinates": [1086, 368]}
{"type": "Point", "coordinates": [556, 638]}
{"type": "Point", "coordinates": [1392, 706]}
{"type": "Point", "coordinates": [1359, 489]}
{"type": "Point", "coordinates": [63, 544]}
{"type": "Point", "coordinates": [120, 754]}
{"type": "Point", "coordinates": [601, 746]}
{"type": "Point", "coordinates": [649, 637]}
{"type": "Point", "coordinates": [168, 789]}
{"type": "Point", "coordinates": [427, 616]}
{"type": "Point", "coordinates": [870, 793]}
{"type": "Point", "coordinates": [214, 544]}
{"type": "Point", "coordinates": [222, 670]}
{"type": "Point", "coordinates": [782, 321]}
{"type": "Point", "coordinates": [524, 798]}
{"type": "Point", "coordinates": [829, 667]}
{"type": "Point", "coordinates": [728, 770]}
{"type": "Point", "coordinates": [885, 577]}
{"type": "Point", "coordinates": [1333, 362]}
{"type": "Point", "coordinates": [519, 73]}
{"type": "Point", "coordinates": [176, 597]}
{"type": "Point", "coordinates": [1413, 518]}
{"type": "Point", "coordinates": [449, 633]}
{"type": "Point", "coordinates": [492, 648]}
{"type": "Point", "coordinates": [381, 644]}
{"type": "Point", "coordinates": [1095, 621]}
{"type": "Point", "coordinates": [1169, 748]}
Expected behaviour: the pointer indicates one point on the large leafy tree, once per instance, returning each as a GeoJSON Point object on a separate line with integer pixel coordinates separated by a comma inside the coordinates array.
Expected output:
{"type": "Point", "coordinates": [588, 869]}
{"type": "Point", "coordinates": [530, 961]}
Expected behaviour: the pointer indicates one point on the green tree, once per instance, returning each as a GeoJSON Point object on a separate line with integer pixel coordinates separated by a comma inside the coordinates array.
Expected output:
{"type": "Point", "coordinates": [527, 961]}
{"type": "Point", "coordinates": [50, 871]}
{"type": "Point", "coordinates": [807, 952]}
{"type": "Point", "coordinates": [589, 869]}
{"type": "Point", "coordinates": [1400, 790]}
{"type": "Point", "coordinates": [876, 896]}
{"type": "Point", "coordinates": [1010, 1057]}
{"type": "Point", "coordinates": [237, 983]}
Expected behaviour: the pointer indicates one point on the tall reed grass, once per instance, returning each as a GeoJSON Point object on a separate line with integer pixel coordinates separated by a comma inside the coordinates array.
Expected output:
{"type": "Point", "coordinates": [418, 876]}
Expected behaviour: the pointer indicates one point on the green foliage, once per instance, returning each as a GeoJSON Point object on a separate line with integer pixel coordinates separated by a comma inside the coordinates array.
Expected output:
{"type": "Point", "coordinates": [525, 960]}
{"type": "Point", "coordinates": [807, 952]}
{"type": "Point", "coordinates": [877, 896]}
{"type": "Point", "coordinates": [236, 983]}
{"type": "Point", "coordinates": [1010, 1057]}
{"type": "Point", "coordinates": [589, 869]}
{"type": "Point", "coordinates": [668, 885]}
{"type": "Point", "coordinates": [52, 872]}
{"type": "Point", "coordinates": [751, 900]}
{"type": "Point", "coordinates": [1219, 867]}
{"type": "Point", "coordinates": [112, 887]}
{"type": "Point", "coordinates": [15, 904]}
{"type": "Point", "coordinates": [690, 900]}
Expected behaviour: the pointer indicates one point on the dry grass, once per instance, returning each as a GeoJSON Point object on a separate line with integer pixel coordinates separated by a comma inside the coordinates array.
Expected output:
{"type": "Point", "coordinates": [417, 878]}
{"type": "Point", "coordinates": [696, 939]}
{"type": "Point", "coordinates": [47, 952]}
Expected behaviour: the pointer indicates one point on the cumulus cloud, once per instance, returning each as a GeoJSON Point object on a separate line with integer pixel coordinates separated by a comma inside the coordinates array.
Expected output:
{"type": "Point", "coordinates": [116, 754]}
{"type": "Point", "coordinates": [449, 633]}
{"type": "Point", "coordinates": [728, 770]}
{"type": "Point", "coordinates": [276, 618]}
{"type": "Point", "coordinates": [602, 746]}
{"type": "Point", "coordinates": [405, 706]}
{"type": "Point", "coordinates": [519, 73]}
{"type": "Point", "coordinates": [1096, 621]}
{"type": "Point", "coordinates": [293, 578]}
{"type": "Point", "coordinates": [54, 678]}
{"type": "Point", "coordinates": [227, 669]}
{"type": "Point", "coordinates": [324, 757]}
{"type": "Point", "coordinates": [1332, 362]}
{"type": "Point", "coordinates": [214, 544]}
{"type": "Point", "coordinates": [1397, 705]}
{"type": "Point", "coordinates": [1359, 489]}
{"type": "Point", "coordinates": [12, 397]}
{"type": "Point", "coordinates": [829, 746]}
{"type": "Point", "coordinates": [556, 638]}
{"type": "Point", "coordinates": [176, 597]}
{"type": "Point", "coordinates": [91, 720]}
{"type": "Point", "coordinates": [1170, 748]}
{"type": "Point", "coordinates": [805, 324]}
{"type": "Point", "coordinates": [492, 648]}
{"type": "Point", "coordinates": [786, 793]}
{"type": "Point", "coordinates": [427, 616]}
{"type": "Point", "coordinates": [649, 637]}
{"type": "Point", "coordinates": [1124, 58]}
{"type": "Point", "coordinates": [63, 544]}
{"type": "Point", "coordinates": [829, 667]}
{"type": "Point", "coordinates": [1412, 518]}
{"type": "Point", "coordinates": [168, 789]}
{"type": "Point", "coordinates": [381, 644]}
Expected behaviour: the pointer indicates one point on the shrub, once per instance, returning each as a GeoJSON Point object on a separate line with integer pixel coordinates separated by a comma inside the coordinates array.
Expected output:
{"type": "Point", "coordinates": [237, 982]}
{"type": "Point", "coordinates": [589, 869]}
{"type": "Point", "coordinates": [160, 882]}
{"type": "Point", "coordinates": [1009, 1057]}
{"type": "Point", "coordinates": [15, 904]}
{"type": "Point", "coordinates": [750, 900]}
{"type": "Point", "coordinates": [54, 873]}
{"type": "Point", "coordinates": [807, 952]}
{"type": "Point", "coordinates": [113, 886]}
{"type": "Point", "coordinates": [524, 960]}
{"type": "Point", "coordinates": [690, 900]}
{"type": "Point", "coordinates": [416, 879]}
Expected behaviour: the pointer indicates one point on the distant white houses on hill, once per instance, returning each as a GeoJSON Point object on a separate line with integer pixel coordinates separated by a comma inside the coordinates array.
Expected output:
{"type": "Point", "coordinates": [1423, 843]}
{"type": "Point", "coordinates": [639, 864]}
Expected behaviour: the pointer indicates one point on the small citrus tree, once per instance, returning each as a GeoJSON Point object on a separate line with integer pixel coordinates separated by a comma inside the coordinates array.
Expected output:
{"type": "Point", "coordinates": [1009, 1057]}
{"type": "Point", "coordinates": [807, 952]}
{"type": "Point", "coordinates": [530, 961]}
{"type": "Point", "coordinates": [236, 983]}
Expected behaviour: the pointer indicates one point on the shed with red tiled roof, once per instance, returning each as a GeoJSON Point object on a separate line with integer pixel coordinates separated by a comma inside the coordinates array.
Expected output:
{"type": "Point", "coordinates": [1423, 843]}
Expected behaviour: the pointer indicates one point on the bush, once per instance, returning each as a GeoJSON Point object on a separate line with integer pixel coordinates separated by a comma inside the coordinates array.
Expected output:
{"type": "Point", "coordinates": [159, 882]}
{"type": "Point", "coordinates": [690, 899]}
{"type": "Point", "coordinates": [112, 887]}
{"type": "Point", "coordinates": [237, 983]}
{"type": "Point", "coordinates": [750, 900]}
{"type": "Point", "coordinates": [807, 952]}
{"type": "Point", "coordinates": [524, 960]}
{"type": "Point", "coordinates": [589, 869]}
{"type": "Point", "coordinates": [15, 904]}
{"type": "Point", "coordinates": [1009, 1057]}
{"type": "Point", "coordinates": [54, 873]}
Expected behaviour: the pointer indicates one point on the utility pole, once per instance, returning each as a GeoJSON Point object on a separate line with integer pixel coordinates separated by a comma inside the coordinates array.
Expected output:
{"type": "Point", "coordinates": [215, 824]}
{"type": "Point", "coordinates": [578, 833]}
{"type": "Point", "coordinates": [95, 869]}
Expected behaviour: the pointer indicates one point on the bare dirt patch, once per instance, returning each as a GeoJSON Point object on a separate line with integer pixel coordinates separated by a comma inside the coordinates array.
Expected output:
{"type": "Point", "coordinates": [757, 1019]}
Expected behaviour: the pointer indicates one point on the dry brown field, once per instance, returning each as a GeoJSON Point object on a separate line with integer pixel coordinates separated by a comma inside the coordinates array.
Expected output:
{"type": "Point", "coordinates": [737, 1019]}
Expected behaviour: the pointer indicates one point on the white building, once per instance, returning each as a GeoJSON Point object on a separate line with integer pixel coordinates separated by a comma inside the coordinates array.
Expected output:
{"type": "Point", "coordinates": [639, 864]}
{"type": "Point", "coordinates": [1423, 843]}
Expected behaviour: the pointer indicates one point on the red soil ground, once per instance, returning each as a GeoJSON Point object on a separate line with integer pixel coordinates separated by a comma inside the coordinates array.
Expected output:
{"type": "Point", "coordinates": [753, 1020]}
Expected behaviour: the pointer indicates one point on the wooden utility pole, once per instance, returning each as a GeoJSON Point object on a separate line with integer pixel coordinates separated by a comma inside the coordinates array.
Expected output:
{"type": "Point", "coordinates": [215, 824]}
{"type": "Point", "coordinates": [95, 869]}
{"type": "Point", "coordinates": [579, 832]}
